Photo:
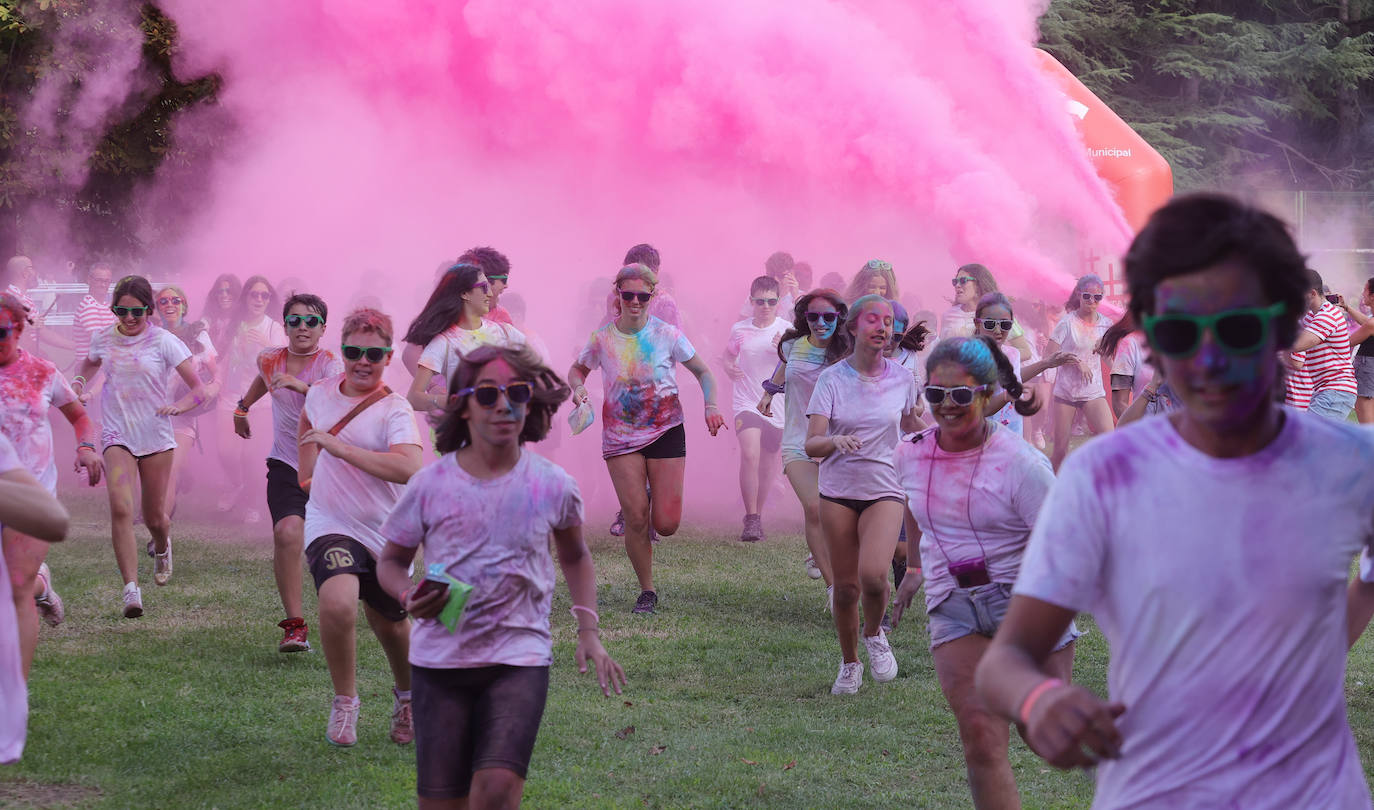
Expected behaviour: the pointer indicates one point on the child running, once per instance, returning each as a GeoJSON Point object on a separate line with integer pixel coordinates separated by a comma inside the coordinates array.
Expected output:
{"type": "Point", "coordinates": [359, 445]}
{"type": "Point", "coordinates": [484, 513]}
{"type": "Point", "coordinates": [993, 319]}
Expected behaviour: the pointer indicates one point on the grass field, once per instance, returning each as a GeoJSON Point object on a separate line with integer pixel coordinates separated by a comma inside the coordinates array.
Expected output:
{"type": "Point", "coordinates": [728, 705]}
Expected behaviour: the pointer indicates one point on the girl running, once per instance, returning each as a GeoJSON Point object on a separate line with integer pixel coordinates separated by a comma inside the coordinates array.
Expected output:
{"type": "Point", "coordinates": [994, 320]}
{"type": "Point", "coordinates": [642, 435]}
{"type": "Point", "coordinates": [1078, 384]}
{"type": "Point", "coordinates": [974, 488]}
{"type": "Point", "coordinates": [876, 277]}
{"type": "Point", "coordinates": [255, 329]}
{"type": "Point", "coordinates": [485, 512]}
{"type": "Point", "coordinates": [856, 417]}
{"type": "Point", "coordinates": [813, 342]}
{"type": "Point", "coordinates": [136, 437]}
{"type": "Point", "coordinates": [171, 310]}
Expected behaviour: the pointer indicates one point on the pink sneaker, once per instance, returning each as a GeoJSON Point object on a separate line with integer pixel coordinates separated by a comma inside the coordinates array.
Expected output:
{"type": "Point", "coordinates": [343, 721]}
{"type": "Point", "coordinates": [402, 723]}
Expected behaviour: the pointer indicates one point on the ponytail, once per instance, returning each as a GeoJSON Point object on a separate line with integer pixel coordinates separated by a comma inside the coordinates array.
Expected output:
{"type": "Point", "coordinates": [1006, 377]}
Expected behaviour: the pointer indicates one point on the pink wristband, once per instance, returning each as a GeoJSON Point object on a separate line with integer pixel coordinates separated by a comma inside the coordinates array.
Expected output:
{"type": "Point", "coordinates": [1034, 695]}
{"type": "Point", "coordinates": [595, 616]}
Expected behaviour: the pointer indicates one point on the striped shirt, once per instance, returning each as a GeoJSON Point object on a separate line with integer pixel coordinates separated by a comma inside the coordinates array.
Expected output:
{"type": "Point", "coordinates": [1326, 366]}
{"type": "Point", "coordinates": [91, 317]}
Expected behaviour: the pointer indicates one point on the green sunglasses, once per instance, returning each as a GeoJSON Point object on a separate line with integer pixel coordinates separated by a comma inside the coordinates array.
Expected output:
{"type": "Point", "coordinates": [1237, 331]}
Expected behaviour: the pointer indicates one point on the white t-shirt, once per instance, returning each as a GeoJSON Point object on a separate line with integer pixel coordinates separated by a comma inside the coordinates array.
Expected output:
{"type": "Point", "coordinates": [755, 350]}
{"type": "Point", "coordinates": [1220, 585]}
{"type": "Point", "coordinates": [1079, 338]}
{"type": "Point", "coordinates": [202, 353]}
{"type": "Point", "coordinates": [445, 352]}
{"type": "Point", "coordinates": [870, 408]}
{"type": "Point", "coordinates": [250, 339]}
{"type": "Point", "coordinates": [344, 499]}
{"type": "Point", "coordinates": [29, 387]}
{"type": "Point", "coordinates": [956, 322]}
{"type": "Point", "coordinates": [287, 404]}
{"type": "Point", "coordinates": [14, 692]}
{"type": "Point", "coordinates": [990, 495]}
{"type": "Point", "coordinates": [493, 535]}
{"type": "Point", "coordinates": [805, 362]}
{"type": "Point", "coordinates": [638, 373]}
{"type": "Point", "coordinates": [136, 373]}
{"type": "Point", "coordinates": [1130, 362]}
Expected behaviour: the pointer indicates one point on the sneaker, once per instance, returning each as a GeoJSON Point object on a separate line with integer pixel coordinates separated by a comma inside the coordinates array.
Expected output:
{"type": "Point", "coordinates": [133, 601]}
{"type": "Point", "coordinates": [653, 535]}
{"type": "Point", "coordinates": [830, 599]}
{"type": "Point", "coordinates": [753, 529]}
{"type": "Point", "coordinates": [162, 565]}
{"type": "Point", "coordinates": [880, 657]}
{"type": "Point", "coordinates": [50, 605]}
{"type": "Point", "coordinates": [402, 725]}
{"type": "Point", "coordinates": [811, 569]}
{"type": "Point", "coordinates": [618, 525]}
{"type": "Point", "coordinates": [886, 624]}
{"type": "Point", "coordinates": [343, 721]}
{"type": "Point", "coordinates": [152, 549]}
{"type": "Point", "coordinates": [1039, 440]}
{"type": "Point", "coordinates": [647, 601]}
{"type": "Point", "coordinates": [849, 680]}
{"type": "Point", "coordinates": [294, 639]}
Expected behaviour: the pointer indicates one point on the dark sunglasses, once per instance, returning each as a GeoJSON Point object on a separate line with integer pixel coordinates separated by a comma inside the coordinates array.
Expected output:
{"type": "Point", "coordinates": [517, 393]}
{"type": "Point", "coordinates": [765, 302]}
{"type": "Point", "coordinates": [483, 286]}
{"type": "Point", "coordinates": [124, 312]}
{"type": "Point", "coordinates": [1237, 331]}
{"type": "Point", "coordinates": [642, 298]}
{"type": "Point", "coordinates": [878, 264]}
{"type": "Point", "coordinates": [1092, 296]}
{"type": "Point", "coordinates": [817, 317]}
{"type": "Point", "coordinates": [162, 302]}
{"type": "Point", "coordinates": [5, 332]}
{"type": "Point", "coordinates": [960, 395]}
{"type": "Point", "coordinates": [259, 295]}
{"type": "Point", "coordinates": [311, 321]}
{"type": "Point", "coordinates": [374, 353]}
{"type": "Point", "coordinates": [961, 281]}
{"type": "Point", "coordinates": [992, 325]}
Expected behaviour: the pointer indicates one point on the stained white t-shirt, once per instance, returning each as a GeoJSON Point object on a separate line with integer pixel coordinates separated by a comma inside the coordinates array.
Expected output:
{"type": "Point", "coordinates": [755, 350]}
{"type": "Point", "coordinates": [250, 339]}
{"type": "Point", "coordinates": [870, 408]}
{"type": "Point", "coordinates": [287, 404]}
{"type": "Point", "coordinates": [956, 322]}
{"type": "Point", "coordinates": [202, 354]}
{"type": "Point", "coordinates": [639, 377]}
{"type": "Point", "coordinates": [136, 372]}
{"type": "Point", "coordinates": [1220, 585]}
{"type": "Point", "coordinates": [14, 692]}
{"type": "Point", "coordinates": [1079, 338]}
{"type": "Point", "coordinates": [493, 535]}
{"type": "Point", "coordinates": [1130, 362]}
{"type": "Point", "coordinates": [976, 503]}
{"type": "Point", "coordinates": [344, 499]}
{"type": "Point", "coordinates": [445, 352]}
{"type": "Point", "coordinates": [29, 387]}
{"type": "Point", "coordinates": [805, 361]}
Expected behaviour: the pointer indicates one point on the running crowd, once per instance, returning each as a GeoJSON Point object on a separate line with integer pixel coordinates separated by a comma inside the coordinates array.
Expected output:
{"type": "Point", "coordinates": [1222, 398]}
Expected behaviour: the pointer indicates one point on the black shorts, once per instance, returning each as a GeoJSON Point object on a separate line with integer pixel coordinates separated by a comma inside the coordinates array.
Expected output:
{"type": "Point", "coordinates": [335, 554]}
{"type": "Point", "coordinates": [672, 444]}
{"type": "Point", "coordinates": [284, 494]}
{"type": "Point", "coordinates": [470, 719]}
{"type": "Point", "coordinates": [1123, 382]}
{"type": "Point", "coordinates": [770, 440]}
{"type": "Point", "coordinates": [859, 505]}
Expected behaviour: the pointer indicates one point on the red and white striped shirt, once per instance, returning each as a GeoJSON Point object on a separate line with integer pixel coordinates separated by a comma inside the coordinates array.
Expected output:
{"type": "Point", "coordinates": [91, 317]}
{"type": "Point", "coordinates": [1326, 366]}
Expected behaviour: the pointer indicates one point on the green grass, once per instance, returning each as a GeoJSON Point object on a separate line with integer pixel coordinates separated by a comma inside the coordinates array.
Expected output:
{"type": "Point", "coordinates": [191, 706]}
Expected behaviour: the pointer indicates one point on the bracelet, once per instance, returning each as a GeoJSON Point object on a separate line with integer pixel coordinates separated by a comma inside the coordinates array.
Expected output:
{"type": "Point", "coordinates": [916, 571]}
{"type": "Point", "coordinates": [595, 616]}
{"type": "Point", "coordinates": [240, 413]}
{"type": "Point", "coordinates": [89, 445]}
{"type": "Point", "coordinates": [406, 594]}
{"type": "Point", "coordinates": [773, 388]}
{"type": "Point", "coordinates": [1034, 695]}
{"type": "Point", "coordinates": [712, 407]}
{"type": "Point", "coordinates": [241, 406]}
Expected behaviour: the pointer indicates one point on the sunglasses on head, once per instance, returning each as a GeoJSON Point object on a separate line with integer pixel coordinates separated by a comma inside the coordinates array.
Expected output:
{"type": "Point", "coordinates": [818, 317]}
{"type": "Point", "coordinates": [765, 302]}
{"type": "Point", "coordinates": [641, 297]}
{"type": "Point", "coordinates": [1092, 296]}
{"type": "Point", "coordinates": [960, 394]}
{"type": "Point", "coordinates": [259, 295]}
{"type": "Point", "coordinates": [164, 302]}
{"type": "Point", "coordinates": [878, 264]}
{"type": "Point", "coordinates": [960, 281]}
{"type": "Point", "coordinates": [124, 312]}
{"type": "Point", "coordinates": [311, 321]}
{"type": "Point", "coordinates": [517, 393]}
{"type": "Point", "coordinates": [374, 353]}
{"type": "Point", "coordinates": [993, 325]}
{"type": "Point", "coordinates": [1237, 331]}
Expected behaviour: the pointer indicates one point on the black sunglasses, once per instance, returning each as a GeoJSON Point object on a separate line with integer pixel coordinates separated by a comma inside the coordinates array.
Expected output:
{"type": "Point", "coordinates": [817, 317]}
{"type": "Point", "coordinates": [960, 394]}
{"type": "Point", "coordinates": [311, 321]}
{"type": "Point", "coordinates": [259, 295]}
{"type": "Point", "coordinates": [162, 302]}
{"type": "Point", "coordinates": [124, 312]}
{"type": "Point", "coordinates": [5, 332]}
{"type": "Point", "coordinates": [374, 353]}
{"type": "Point", "coordinates": [517, 393]}
{"type": "Point", "coordinates": [992, 325]}
{"type": "Point", "coordinates": [1092, 296]}
{"type": "Point", "coordinates": [765, 302]}
{"type": "Point", "coordinates": [642, 298]}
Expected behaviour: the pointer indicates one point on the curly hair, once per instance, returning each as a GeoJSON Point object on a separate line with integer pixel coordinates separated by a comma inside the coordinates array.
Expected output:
{"type": "Point", "coordinates": [451, 430]}
{"type": "Point", "coordinates": [367, 319]}
{"type": "Point", "coordinates": [838, 347]}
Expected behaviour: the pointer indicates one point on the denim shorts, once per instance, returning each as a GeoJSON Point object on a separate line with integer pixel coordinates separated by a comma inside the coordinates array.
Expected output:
{"type": "Point", "coordinates": [978, 610]}
{"type": "Point", "coordinates": [1332, 404]}
{"type": "Point", "coordinates": [1364, 375]}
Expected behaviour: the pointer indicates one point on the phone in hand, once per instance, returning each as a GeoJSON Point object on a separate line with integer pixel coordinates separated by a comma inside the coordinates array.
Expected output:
{"type": "Point", "coordinates": [428, 586]}
{"type": "Point", "coordinates": [1335, 299]}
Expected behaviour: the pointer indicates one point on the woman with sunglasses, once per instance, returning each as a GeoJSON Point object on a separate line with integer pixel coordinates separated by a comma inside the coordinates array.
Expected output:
{"type": "Point", "coordinates": [254, 329]}
{"type": "Point", "coordinates": [855, 420]}
{"type": "Point", "coordinates": [876, 277]}
{"type": "Point", "coordinates": [1213, 547]}
{"type": "Point", "coordinates": [453, 323]}
{"type": "Point", "coordinates": [286, 373]}
{"type": "Point", "coordinates": [484, 514]}
{"type": "Point", "coordinates": [994, 320]}
{"type": "Point", "coordinates": [804, 351]}
{"type": "Point", "coordinates": [171, 313]}
{"type": "Point", "coordinates": [642, 435]}
{"type": "Point", "coordinates": [1078, 384]}
{"type": "Point", "coordinates": [973, 489]}
{"type": "Point", "coordinates": [137, 438]}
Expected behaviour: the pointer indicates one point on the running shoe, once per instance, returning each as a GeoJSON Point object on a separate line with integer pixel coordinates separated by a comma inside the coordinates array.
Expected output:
{"type": "Point", "coordinates": [811, 569]}
{"type": "Point", "coordinates": [647, 601]}
{"type": "Point", "coordinates": [162, 565]}
{"type": "Point", "coordinates": [830, 599]}
{"type": "Point", "coordinates": [886, 623]}
{"type": "Point", "coordinates": [49, 604]}
{"type": "Point", "coordinates": [294, 639]}
{"type": "Point", "coordinates": [849, 680]}
{"type": "Point", "coordinates": [753, 529]}
{"type": "Point", "coordinates": [618, 525]}
{"type": "Point", "coordinates": [133, 601]}
{"type": "Point", "coordinates": [880, 658]}
{"type": "Point", "coordinates": [402, 724]}
{"type": "Point", "coordinates": [343, 721]}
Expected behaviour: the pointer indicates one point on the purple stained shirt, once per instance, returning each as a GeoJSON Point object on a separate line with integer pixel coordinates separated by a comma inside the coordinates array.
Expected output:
{"type": "Point", "coordinates": [639, 378]}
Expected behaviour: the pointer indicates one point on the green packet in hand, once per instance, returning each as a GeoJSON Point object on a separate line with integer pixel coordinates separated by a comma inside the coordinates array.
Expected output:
{"type": "Point", "coordinates": [458, 593]}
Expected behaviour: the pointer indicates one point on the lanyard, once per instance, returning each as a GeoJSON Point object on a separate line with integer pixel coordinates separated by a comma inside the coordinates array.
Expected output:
{"type": "Point", "coordinates": [968, 501]}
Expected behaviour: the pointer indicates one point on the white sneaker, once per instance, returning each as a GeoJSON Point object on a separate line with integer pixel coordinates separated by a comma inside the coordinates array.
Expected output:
{"type": "Point", "coordinates": [880, 657]}
{"type": "Point", "coordinates": [133, 601]}
{"type": "Point", "coordinates": [830, 599]}
{"type": "Point", "coordinates": [162, 565]}
{"type": "Point", "coordinates": [849, 680]}
{"type": "Point", "coordinates": [811, 569]}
